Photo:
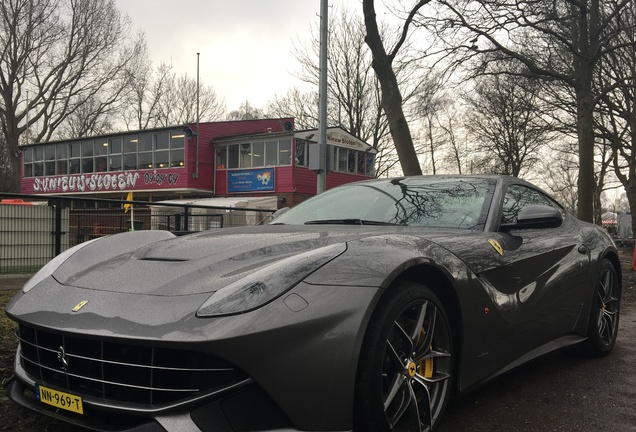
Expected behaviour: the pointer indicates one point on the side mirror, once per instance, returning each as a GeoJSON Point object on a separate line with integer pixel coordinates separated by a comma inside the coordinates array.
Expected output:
{"type": "Point", "coordinates": [535, 216]}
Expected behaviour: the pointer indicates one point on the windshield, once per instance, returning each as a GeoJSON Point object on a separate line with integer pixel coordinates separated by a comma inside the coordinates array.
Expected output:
{"type": "Point", "coordinates": [420, 201]}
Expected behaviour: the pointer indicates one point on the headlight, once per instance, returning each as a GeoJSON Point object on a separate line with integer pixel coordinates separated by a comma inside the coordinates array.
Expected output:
{"type": "Point", "coordinates": [267, 283]}
{"type": "Point", "coordinates": [52, 265]}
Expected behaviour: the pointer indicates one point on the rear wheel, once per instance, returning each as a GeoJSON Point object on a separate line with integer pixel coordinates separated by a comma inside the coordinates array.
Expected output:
{"type": "Point", "coordinates": [603, 325]}
{"type": "Point", "coordinates": [405, 368]}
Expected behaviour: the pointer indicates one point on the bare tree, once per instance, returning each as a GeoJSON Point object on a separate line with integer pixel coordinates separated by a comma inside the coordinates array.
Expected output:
{"type": "Point", "coordinates": [161, 98]}
{"type": "Point", "coordinates": [617, 111]}
{"type": "Point", "coordinates": [392, 100]}
{"type": "Point", "coordinates": [559, 171]}
{"type": "Point", "coordinates": [457, 155]}
{"type": "Point", "coordinates": [559, 40]}
{"type": "Point", "coordinates": [179, 103]}
{"type": "Point", "coordinates": [430, 102]}
{"type": "Point", "coordinates": [147, 88]}
{"type": "Point", "coordinates": [93, 117]}
{"type": "Point", "coordinates": [354, 101]}
{"type": "Point", "coordinates": [56, 56]}
{"type": "Point", "coordinates": [303, 107]}
{"type": "Point", "coordinates": [506, 120]}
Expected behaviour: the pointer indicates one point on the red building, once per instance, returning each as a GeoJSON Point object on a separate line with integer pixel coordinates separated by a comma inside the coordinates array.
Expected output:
{"type": "Point", "coordinates": [224, 159]}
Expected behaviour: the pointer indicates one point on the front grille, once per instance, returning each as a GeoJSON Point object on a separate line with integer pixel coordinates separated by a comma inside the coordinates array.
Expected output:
{"type": "Point", "coordinates": [118, 372]}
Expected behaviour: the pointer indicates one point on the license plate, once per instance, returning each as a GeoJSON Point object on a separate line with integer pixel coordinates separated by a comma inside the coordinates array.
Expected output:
{"type": "Point", "coordinates": [58, 399]}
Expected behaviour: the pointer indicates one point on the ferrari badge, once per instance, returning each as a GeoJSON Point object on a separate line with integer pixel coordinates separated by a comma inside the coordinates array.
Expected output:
{"type": "Point", "coordinates": [495, 244]}
{"type": "Point", "coordinates": [80, 305]}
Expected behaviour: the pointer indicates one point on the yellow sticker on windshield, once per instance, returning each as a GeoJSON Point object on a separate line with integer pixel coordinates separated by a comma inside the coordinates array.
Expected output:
{"type": "Point", "coordinates": [495, 244]}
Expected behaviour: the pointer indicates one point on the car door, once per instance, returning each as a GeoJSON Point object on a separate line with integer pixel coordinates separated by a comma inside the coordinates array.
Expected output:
{"type": "Point", "coordinates": [538, 288]}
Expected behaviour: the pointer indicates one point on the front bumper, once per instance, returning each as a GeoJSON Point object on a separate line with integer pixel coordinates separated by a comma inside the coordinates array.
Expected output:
{"type": "Point", "coordinates": [298, 361]}
{"type": "Point", "coordinates": [214, 415]}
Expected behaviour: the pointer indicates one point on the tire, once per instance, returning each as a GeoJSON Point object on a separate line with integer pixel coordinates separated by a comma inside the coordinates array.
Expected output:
{"type": "Point", "coordinates": [602, 327]}
{"type": "Point", "coordinates": [405, 368]}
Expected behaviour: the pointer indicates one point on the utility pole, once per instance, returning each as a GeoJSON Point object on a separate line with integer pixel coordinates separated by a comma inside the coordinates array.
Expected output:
{"type": "Point", "coordinates": [196, 174]}
{"type": "Point", "coordinates": [318, 157]}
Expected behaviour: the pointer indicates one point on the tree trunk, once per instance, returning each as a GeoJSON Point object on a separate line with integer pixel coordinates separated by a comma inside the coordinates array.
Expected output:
{"type": "Point", "coordinates": [391, 96]}
{"type": "Point", "coordinates": [400, 132]}
{"type": "Point", "coordinates": [630, 188]}
{"type": "Point", "coordinates": [585, 129]}
{"type": "Point", "coordinates": [10, 166]}
{"type": "Point", "coordinates": [586, 36]}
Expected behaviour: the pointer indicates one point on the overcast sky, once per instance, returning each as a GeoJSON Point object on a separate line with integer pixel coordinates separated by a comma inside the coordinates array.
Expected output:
{"type": "Point", "coordinates": [245, 45]}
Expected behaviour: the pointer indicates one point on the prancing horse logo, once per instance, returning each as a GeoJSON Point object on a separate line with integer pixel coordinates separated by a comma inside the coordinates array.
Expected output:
{"type": "Point", "coordinates": [62, 358]}
{"type": "Point", "coordinates": [412, 369]}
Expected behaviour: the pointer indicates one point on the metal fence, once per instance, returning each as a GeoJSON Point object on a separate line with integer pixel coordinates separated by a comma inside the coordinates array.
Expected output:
{"type": "Point", "coordinates": [34, 229]}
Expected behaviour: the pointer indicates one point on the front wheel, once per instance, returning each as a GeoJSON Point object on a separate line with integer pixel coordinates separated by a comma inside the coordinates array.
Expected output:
{"type": "Point", "coordinates": [406, 363]}
{"type": "Point", "coordinates": [603, 324]}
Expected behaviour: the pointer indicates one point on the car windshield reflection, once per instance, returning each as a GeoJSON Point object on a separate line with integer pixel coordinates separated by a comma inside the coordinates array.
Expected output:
{"type": "Point", "coordinates": [421, 202]}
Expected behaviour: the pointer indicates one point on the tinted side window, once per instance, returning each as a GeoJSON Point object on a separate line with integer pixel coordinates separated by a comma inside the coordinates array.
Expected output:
{"type": "Point", "coordinates": [517, 197]}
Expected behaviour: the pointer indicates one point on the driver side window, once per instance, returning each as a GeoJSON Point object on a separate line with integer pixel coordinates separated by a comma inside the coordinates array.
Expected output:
{"type": "Point", "coordinates": [517, 197]}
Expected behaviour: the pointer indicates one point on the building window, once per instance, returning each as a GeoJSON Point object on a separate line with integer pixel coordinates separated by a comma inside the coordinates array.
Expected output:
{"type": "Point", "coordinates": [87, 156]}
{"type": "Point", "coordinates": [342, 159]}
{"type": "Point", "coordinates": [114, 154]}
{"type": "Point", "coordinates": [130, 153]}
{"type": "Point", "coordinates": [301, 152]}
{"type": "Point", "coordinates": [145, 151]}
{"type": "Point", "coordinates": [221, 157]}
{"type": "Point", "coordinates": [61, 156]}
{"type": "Point", "coordinates": [38, 169]}
{"type": "Point", "coordinates": [177, 153]}
{"type": "Point", "coordinates": [370, 165]}
{"type": "Point", "coordinates": [352, 159]}
{"type": "Point", "coordinates": [27, 162]}
{"type": "Point", "coordinates": [27, 155]}
{"type": "Point", "coordinates": [145, 160]}
{"type": "Point", "coordinates": [254, 155]}
{"type": "Point", "coordinates": [49, 160]}
{"type": "Point", "coordinates": [177, 140]}
{"type": "Point", "coordinates": [271, 153]}
{"type": "Point", "coordinates": [245, 155]}
{"type": "Point", "coordinates": [258, 154]}
{"type": "Point", "coordinates": [284, 152]}
{"type": "Point", "coordinates": [125, 152]}
{"type": "Point", "coordinates": [162, 141]}
{"type": "Point", "coordinates": [145, 143]}
{"type": "Point", "coordinates": [361, 160]}
{"type": "Point", "coordinates": [232, 156]}
{"type": "Point", "coordinates": [176, 158]}
{"type": "Point", "coordinates": [101, 155]}
{"type": "Point", "coordinates": [87, 149]}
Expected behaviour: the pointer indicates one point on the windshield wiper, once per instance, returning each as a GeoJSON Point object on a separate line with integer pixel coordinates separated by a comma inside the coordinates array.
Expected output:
{"type": "Point", "coordinates": [349, 222]}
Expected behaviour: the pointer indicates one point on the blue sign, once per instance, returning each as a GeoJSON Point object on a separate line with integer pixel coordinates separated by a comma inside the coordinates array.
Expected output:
{"type": "Point", "coordinates": [255, 180]}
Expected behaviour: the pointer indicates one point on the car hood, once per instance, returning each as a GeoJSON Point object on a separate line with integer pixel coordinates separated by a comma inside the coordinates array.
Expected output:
{"type": "Point", "coordinates": [163, 265]}
{"type": "Point", "coordinates": [186, 265]}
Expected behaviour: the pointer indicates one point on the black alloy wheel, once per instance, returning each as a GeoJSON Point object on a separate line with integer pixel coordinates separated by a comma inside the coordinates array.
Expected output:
{"type": "Point", "coordinates": [603, 325]}
{"type": "Point", "coordinates": [404, 378]}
